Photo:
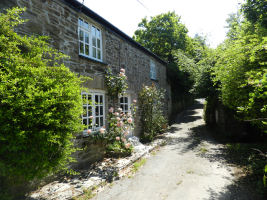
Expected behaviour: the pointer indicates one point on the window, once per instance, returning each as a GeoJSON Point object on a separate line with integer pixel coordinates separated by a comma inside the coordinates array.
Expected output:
{"type": "Point", "coordinates": [153, 70]}
{"type": "Point", "coordinates": [125, 103]}
{"type": "Point", "coordinates": [90, 40]}
{"type": "Point", "coordinates": [93, 105]}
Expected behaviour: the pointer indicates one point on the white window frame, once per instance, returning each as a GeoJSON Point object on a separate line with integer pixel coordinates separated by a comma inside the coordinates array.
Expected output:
{"type": "Point", "coordinates": [123, 104]}
{"type": "Point", "coordinates": [153, 70]}
{"type": "Point", "coordinates": [94, 107]}
{"type": "Point", "coordinates": [94, 42]}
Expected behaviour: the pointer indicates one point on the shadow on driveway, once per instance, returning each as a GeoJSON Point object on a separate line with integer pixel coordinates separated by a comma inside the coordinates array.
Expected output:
{"type": "Point", "coordinates": [245, 186]}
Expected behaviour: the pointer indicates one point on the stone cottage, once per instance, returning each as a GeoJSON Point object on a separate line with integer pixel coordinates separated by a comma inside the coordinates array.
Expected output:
{"type": "Point", "coordinates": [93, 44]}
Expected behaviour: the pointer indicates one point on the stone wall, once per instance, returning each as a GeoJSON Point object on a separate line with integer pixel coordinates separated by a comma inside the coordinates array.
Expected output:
{"type": "Point", "coordinates": [59, 20]}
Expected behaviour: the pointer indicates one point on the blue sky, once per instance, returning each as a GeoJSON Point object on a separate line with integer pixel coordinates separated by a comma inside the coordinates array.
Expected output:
{"type": "Point", "coordinates": [206, 17]}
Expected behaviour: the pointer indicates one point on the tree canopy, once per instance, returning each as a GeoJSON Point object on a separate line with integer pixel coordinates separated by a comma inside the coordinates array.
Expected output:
{"type": "Point", "coordinates": [163, 34]}
{"type": "Point", "coordinates": [167, 37]}
{"type": "Point", "coordinates": [241, 68]}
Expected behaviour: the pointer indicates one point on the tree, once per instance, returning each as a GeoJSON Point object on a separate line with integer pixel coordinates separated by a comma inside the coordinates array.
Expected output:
{"type": "Point", "coordinates": [234, 23]}
{"type": "Point", "coordinates": [167, 37]}
{"type": "Point", "coordinates": [163, 34]}
{"type": "Point", "coordinates": [255, 11]}
{"type": "Point", "coordinates": [241, 70]}
{"type": "Point", "coordinates": [40, 104]}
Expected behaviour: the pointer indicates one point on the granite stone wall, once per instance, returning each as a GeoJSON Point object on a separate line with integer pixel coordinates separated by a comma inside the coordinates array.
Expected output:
{"type": "Point", "coordinates": [59, 20]}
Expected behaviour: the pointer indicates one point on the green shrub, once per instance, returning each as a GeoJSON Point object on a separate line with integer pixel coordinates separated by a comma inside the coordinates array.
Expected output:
{"type": "Point", "coordinates": [40, 104]}
{"type": "Point", "coordinates": [152, 118]}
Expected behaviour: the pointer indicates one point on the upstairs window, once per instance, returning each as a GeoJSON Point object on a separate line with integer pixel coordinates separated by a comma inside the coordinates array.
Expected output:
{"type": "Point", "coordinates": [153, 71]}
{"type": "Point", "coordinates": [90, 40]}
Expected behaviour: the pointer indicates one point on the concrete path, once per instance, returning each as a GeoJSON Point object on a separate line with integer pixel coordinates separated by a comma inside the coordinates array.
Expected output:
{"type": "Point", "coordinates": [187, 167]}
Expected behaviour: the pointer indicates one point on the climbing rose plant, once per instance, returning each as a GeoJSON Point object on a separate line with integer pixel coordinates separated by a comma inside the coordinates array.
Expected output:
{"type": "Point", "coordinates": [116, 84]}
{"type": "Point", "coordinates": [120, 125]}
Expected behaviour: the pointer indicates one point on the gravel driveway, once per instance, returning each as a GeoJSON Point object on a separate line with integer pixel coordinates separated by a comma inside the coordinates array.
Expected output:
{"type": "Point", "coordinates": [190, 166]}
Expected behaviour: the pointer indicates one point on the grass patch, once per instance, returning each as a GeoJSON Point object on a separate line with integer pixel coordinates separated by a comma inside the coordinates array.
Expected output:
{"type": "Point", "coordinates": [164, 143]}
{"type": "Point", "coordinates": [190, 172]}
{"type": "Point", "coordinates": [179, 182]}
{"type": "Point", "coordinates": [89, 193]}
{"type": "Point", "coordinates": [203, 150]}
{"type": "Point", "coordinates": [138, 164]}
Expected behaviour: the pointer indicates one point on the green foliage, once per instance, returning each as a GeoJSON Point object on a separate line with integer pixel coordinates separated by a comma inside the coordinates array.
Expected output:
{"type": "Point", "coordinates": [240, 69]}
{"type": "Point", "coordinates": [163, 34]}
{"type": "Point", "coordinates": [255, 11]}
{"type": "Point", "coordinates": [118, 148]}
{"type": "Point", "coordinates": [167, 37]}
{"type": "Point", "coordinates": [138, 164]}
{"type": "Point", "coordinates": [240, 72]}
{"type": "Point", "coordinates": [234, 25]}
{"type": "Point", "coordinates": [195, 69]}
{"type": "Point", "coordinates": [116, 85]}
{"type": "Point", "coordinates": [152, 118]}
{"type": "Point", "coordinates": [40, 104]}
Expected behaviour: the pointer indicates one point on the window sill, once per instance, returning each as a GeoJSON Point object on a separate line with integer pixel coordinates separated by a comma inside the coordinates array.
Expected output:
{"type": "Point", "coordinates": [91, 59]}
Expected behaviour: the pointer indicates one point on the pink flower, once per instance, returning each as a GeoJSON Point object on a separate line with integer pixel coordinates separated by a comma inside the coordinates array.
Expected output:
{"type": "Point", "coordinates": [102, 130]}
{"type": "Point", "coordinates": [120, 124]}
{"type": "Point", "coordinates": [121, 74]}
{"type": "Point", "coordinates": [116, 114]}
{"type": "Point", "coordinates": [134, 101]}
{"type": "Point", "coordinates": [122, 70]}
{"type": "Point", "coordinates": [118, 138]}
{"type": "Point", "coordinates": [127, 146]}
{"type": "Point", "coordinates": [111, 109]}
{"type": "Point", "coordinates": [89, 131]}
{"type": "Point", "coordinates": [118, 119]}
{"type": "Point", "coordinates": [130, 120]}
{"type": "Point", "coordinates": [91, 117]}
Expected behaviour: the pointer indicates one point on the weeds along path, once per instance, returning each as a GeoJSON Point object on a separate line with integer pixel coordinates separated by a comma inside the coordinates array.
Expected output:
{"type": "Point", "coordinates": [190, 166]}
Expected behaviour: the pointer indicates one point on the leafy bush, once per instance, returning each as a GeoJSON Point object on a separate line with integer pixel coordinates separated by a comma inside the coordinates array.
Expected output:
{"type": "Point", "coordinates": [40, 104]}
{"type": "Point", "coordinates": [241, 73]}
{"type": "Point", "coordinates": [152, 118]}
